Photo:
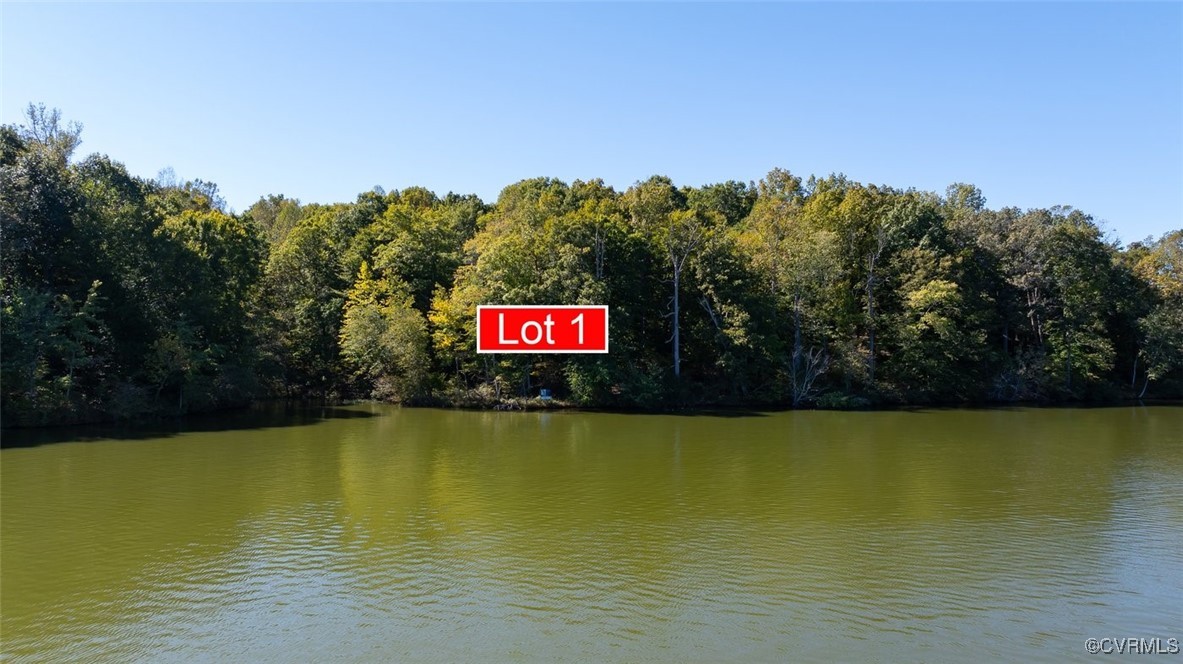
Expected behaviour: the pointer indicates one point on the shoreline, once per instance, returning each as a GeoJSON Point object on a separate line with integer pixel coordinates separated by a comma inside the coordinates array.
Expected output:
{"type": "Point", "coordinates": [287, 407]}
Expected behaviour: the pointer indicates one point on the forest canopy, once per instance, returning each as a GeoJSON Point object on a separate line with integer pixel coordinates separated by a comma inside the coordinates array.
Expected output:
{"type": "Point", "coordinates": [124, 297]}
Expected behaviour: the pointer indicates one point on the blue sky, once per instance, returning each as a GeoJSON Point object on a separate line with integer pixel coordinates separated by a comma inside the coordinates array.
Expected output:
{"type": "Point", "coordinates": [1037, 104]}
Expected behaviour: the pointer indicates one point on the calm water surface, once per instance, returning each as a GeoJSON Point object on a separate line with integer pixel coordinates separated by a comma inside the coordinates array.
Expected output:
{"type": "Point", "coordinates": [372, 533]}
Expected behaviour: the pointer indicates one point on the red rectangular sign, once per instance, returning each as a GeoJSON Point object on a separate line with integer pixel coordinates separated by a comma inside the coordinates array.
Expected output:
{"type": "Point", "coordinates": [542, 329]}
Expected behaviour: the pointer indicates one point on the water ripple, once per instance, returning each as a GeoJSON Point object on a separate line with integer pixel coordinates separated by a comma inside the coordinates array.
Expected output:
{"type": "Point", "coordinates": [449, 536]}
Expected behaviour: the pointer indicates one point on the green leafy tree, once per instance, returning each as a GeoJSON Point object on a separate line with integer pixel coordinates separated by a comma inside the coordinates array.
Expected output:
{"type": "Point", "coordinates": [384, 338]}
{"type": "Point", "coordinates": [799, 263]}
{"type": "Point", "coordinates": [123, 296]}
{"type": "Point", "coordinates": [276, 216]}
{"type": "Point", "coordinates": [658, 211]}
{"type": "Point", "coordinates": [1078, 265]}
{"type": "Point", "coordinates": [1159, 263]}
{"type": "Point", "coordinates": [305, 297]}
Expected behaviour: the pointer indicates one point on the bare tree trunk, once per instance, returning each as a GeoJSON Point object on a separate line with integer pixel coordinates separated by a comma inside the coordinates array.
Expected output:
{"type": "Point", "coordinates": [677, 335]}
{"type": "Point", "coordinates": [814, 364]}
{"type": "Point", "coordinates": [881, 244]}
{"type": "Point", "coordinates": [706, 305]}
{"type": "Point", "coordinates": [871, 325]}
{"type": "Point", "coordinates": [1032, 316]}
{"type": "Point", "coordinates": [70, 383]}
{"type": "Point", "coordinates": [599, 255]}
{"type": "Point", "coordinates": [1069, 361]}
{"type": "Point", "coordinates": [795, 366]}
{"type": "Point", "coordinates": [1038, 321]}
{"type": "Point", "coordinates": [871, 357]}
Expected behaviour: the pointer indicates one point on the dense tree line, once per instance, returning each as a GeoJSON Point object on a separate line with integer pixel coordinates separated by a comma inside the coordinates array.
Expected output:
{"type": "Point", "coordinates": [124, 296]}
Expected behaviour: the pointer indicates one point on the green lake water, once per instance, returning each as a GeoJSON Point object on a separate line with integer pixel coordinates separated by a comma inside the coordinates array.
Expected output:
{"type": "Point", "coordinates": [373, 533]}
